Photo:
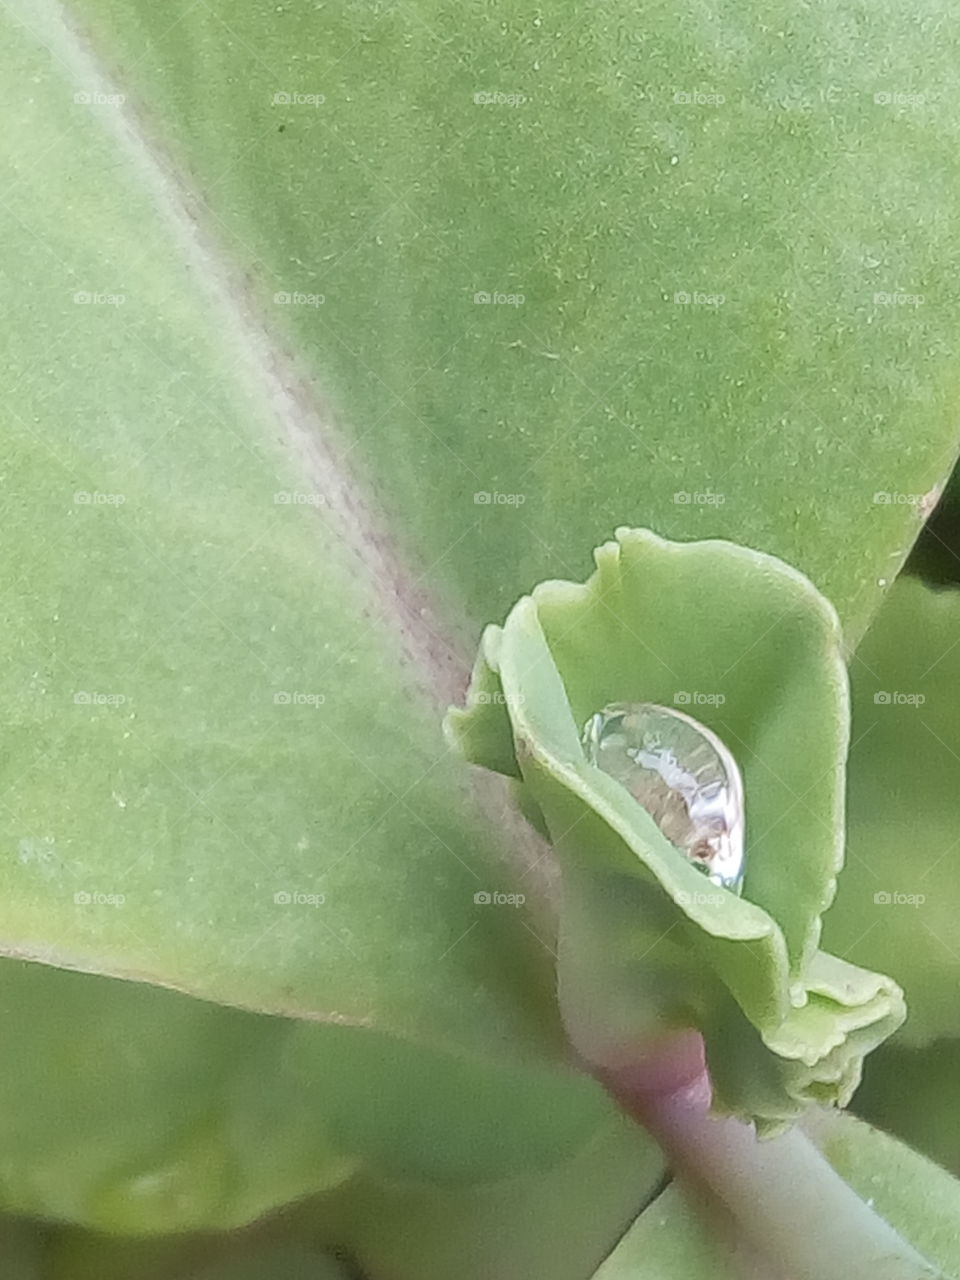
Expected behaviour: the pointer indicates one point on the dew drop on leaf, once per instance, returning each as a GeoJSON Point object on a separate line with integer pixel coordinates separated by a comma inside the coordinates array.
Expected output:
{"type": "Point", "coordinates": [682, 774]}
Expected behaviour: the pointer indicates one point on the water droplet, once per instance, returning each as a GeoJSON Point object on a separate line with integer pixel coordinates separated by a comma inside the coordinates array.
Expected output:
{"type": "Point", "coordinates": [682, 774]}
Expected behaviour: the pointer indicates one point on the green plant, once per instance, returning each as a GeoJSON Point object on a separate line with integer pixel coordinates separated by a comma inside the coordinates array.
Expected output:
{"type": "Point", "coordinates": [332, 330]}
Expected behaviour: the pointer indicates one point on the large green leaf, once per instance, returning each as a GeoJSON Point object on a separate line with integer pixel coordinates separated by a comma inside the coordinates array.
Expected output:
{"type": "Point", "coordinates": [675, 1240]}
{"type": "Point", "coordinates": [899, 896]}
{"type": "Point", "coordinates": [554, 1224]}
{"type": "Point", "coordinates": [245, 555]}
{"type": "Point", "coordinates": [211, 698]}
{"type": "Point", "coordinates": [129, 1108]}
{"type": "Point", "coordinates": [198, 400]}
{"type": "Point", "coordinates": [801, 195]}
{"type": "Point", "coordinates": [21, 1250]}
{"type": "Point", "coordinates": [283, 1262]}
{"type": "Point", "coordinates": [917, 1198]}
{"type": "Point", "coordinates": [915, 1093]}
{"type": "Point", "coordinates": [79, 1257]}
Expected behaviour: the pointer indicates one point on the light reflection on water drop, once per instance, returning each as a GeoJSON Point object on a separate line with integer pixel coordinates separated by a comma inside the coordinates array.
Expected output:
{"type": "Point", "coordinates": [682, 774]}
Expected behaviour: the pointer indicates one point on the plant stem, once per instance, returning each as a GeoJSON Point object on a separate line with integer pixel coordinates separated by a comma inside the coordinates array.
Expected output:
{"type": "Point", "coordinates": [787, 1200]}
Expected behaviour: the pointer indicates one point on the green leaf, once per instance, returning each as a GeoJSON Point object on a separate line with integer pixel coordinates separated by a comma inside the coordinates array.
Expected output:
{"type": "Point", "coordinates": [279, 1262]}
{"type": "Point", "coordinates": [197, 400]}
{"type": "Point", "coordinates": [212, 697]}
{"type": "Point", "coordinates": [919, 1199]}
{"type": "Point", "coordinates": [599, 197]}
{"type": "Point", "coordinates": [915, 1094]}
{"type": "Point", "coordinates": [899, 897]}
{"type": "Point", "coordinates": [552, 1226]}
{"type": "Point", "coordinates": [146, 757]}
{"type": "Point", "coordinates": [22, 1249]}
{"type": "Point", "coordinates": [643, 945]}
{"type": "Point", "coordinates": [680, 1238]}
{"type": "Point", "coordinates": [934, 556]}
{"type": "Point", "coordinates": [676, 1239]}
{"type": "Point", "coordinates": [80, 1257]}
{"type": "Point", "coordinates": [183, 1115]}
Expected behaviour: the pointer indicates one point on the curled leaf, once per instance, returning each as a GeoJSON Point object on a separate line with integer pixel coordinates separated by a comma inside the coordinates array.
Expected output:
{"type": "Point", "coordinates": [647, 945]}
